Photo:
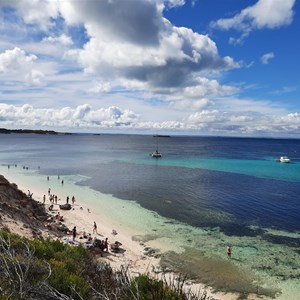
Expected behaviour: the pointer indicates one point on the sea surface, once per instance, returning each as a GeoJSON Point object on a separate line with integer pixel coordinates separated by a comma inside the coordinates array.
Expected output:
{"type": "Point", "coordinates": [204, 194]}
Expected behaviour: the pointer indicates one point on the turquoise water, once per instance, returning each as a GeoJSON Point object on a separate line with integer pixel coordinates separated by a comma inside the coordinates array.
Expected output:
{"type": "Point", "coordinates": [265, 168]}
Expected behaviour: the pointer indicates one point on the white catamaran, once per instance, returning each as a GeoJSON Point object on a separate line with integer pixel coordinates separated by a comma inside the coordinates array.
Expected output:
{"type": "Point", "coordinates": [156, 153]}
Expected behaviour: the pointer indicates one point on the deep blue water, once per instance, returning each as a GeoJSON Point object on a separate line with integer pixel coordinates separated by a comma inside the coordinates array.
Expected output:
{"type": "Point", "coordinates": [229, 183]}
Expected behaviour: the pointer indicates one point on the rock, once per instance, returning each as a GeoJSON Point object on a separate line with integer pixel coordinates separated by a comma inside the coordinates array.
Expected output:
{"type": "Point", "coordinates": [151, 251]}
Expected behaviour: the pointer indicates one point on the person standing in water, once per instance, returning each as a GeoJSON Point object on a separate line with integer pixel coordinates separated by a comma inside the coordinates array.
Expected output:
{"type": "Point", "coordinates": [229, 251]}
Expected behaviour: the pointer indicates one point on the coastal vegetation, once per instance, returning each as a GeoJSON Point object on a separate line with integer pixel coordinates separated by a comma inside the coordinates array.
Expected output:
{"type": "Point", "coordinates": [49, 269]}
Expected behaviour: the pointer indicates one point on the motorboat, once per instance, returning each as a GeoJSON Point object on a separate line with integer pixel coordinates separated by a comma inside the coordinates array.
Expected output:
{"type": "Point", "coordinates": [284, 159]}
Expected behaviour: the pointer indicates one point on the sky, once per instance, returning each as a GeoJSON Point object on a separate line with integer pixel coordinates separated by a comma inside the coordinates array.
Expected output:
{"type": "Point", "coordinates": [188, 67]}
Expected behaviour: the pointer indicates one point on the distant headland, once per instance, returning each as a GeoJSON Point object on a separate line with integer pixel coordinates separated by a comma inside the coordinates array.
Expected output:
{"type": "Point", "coordinates": [35, 131]}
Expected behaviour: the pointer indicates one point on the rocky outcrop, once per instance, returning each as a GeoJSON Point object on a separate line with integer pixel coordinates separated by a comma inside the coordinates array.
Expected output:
{"type": "Point", "coordinates": [18, 210]}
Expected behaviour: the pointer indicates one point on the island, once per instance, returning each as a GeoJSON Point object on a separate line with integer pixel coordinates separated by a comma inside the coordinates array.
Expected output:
{"type": "Point", "coordinates": [35, 131]}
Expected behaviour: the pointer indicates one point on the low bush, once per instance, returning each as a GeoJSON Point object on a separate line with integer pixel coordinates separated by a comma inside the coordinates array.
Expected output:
{"type": "Point", "coordinates": [48, 269]}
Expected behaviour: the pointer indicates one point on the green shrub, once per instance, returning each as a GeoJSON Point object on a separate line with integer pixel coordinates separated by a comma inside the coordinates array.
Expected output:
{"type": "Point", "coordinates": [146, 288]}
{"type": "Point", "coordinates": [69, 283]}
{"type": "Point", "coordinates": [72, 271]}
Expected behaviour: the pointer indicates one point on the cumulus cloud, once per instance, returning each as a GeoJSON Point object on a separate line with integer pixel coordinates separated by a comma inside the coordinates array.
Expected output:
{"type": "Point", "coordinates": [83, 116]}
{"type": "Point", "coordinates": [243, 123]}
{"type": "Point", "coordinates": [264, 14]}
{"type": "Point", "coordinates": [41, 12]}
{"type": "Point", "coordinates": [14, 60]}
{"type": "Point", "coordinates": [266, 57]}
{"type": "Point", "coordinates": [138, 44]}
{"type": "Point", "coordinates": [131, 21]}
{"type": "Point", "coordinates": [205, 87]}
{"type": "Point", "coordinates": [197, 96]}
{"type": "Point", "coordinates": [16, 64]}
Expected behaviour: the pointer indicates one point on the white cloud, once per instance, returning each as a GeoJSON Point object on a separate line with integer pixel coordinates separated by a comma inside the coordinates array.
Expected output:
{"type": "Point", "coordinates": [205, 87]}
{"type": "Point", "coordinates": [175, 3]}
{"type": "Point", "coordinates": [264, 14]}
{"type": "Point", "coordinates": [19, 68]}
{"type": "Point", "coordinates": [249, 123]}
{"type": "Point", "coordinates": [142, 45]}
{"type": "Point", "coordinates": [266, 57]}
{"type": "Point", "coordinates": [35, 77]}
{"type": "Point", "coordinates": [292, 118]}
{"type": "Point", "coordinates": [62, 39]}
{"type": "Point", "coordinates": [35, 11]}
{"type": "Point", "coordinates": [100, 87]}
{"type": "Point", "coordinates": [14, 60]}
{"type": "Point", "coordinates": [190, 104]}
{"type": "Point", "coordinates": [82, 116]}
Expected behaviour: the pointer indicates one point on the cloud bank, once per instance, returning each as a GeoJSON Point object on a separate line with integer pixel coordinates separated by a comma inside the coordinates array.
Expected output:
{"type": "Point", "coordinates": [84, 117]}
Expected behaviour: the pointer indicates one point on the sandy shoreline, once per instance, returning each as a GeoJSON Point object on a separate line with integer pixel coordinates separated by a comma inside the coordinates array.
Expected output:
{"type": "Point", "coordinates": [83, 216]}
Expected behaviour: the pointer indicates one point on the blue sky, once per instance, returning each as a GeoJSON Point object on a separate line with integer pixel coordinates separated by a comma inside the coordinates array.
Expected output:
{"type": "Point", "coordinates": [146, 66]}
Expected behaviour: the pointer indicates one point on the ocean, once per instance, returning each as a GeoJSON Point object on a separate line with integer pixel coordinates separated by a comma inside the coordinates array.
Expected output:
{"type": "Point", "coordinates": [204, 194]}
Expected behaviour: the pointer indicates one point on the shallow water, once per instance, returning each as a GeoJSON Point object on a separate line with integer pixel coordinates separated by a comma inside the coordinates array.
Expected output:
{"type": "Point", "coordinates": [191, 208]}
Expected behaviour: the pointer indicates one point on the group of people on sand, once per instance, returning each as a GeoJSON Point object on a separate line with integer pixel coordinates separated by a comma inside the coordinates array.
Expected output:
{"type": "Point", "coordinates": [53, 198]}
{"type": "Point", "coordinates": [101, 244]}
{"type": "Point", "coordinates": [97, 243]}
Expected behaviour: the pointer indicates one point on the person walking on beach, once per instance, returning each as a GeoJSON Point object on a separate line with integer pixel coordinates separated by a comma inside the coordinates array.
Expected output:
{"type": "Point", "coordinates": [67, 200]}
{"type": "Point", "coordinates": [74, 233]}
{"type": "Point", "coordinates": [95, 228]}
{"type": "Point", "coordinates": [44, 199]}
{"type": "Point", "coordinates": [73, 200]}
